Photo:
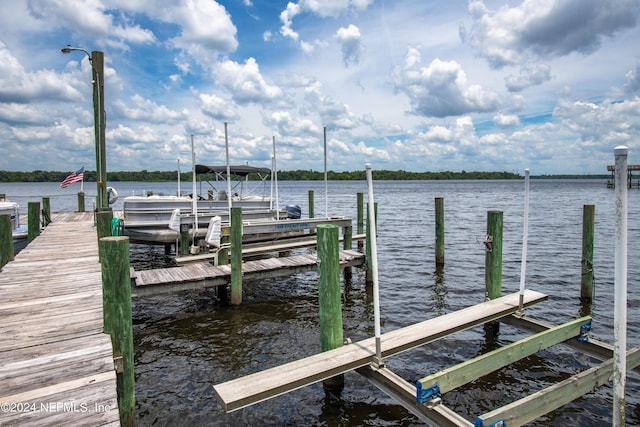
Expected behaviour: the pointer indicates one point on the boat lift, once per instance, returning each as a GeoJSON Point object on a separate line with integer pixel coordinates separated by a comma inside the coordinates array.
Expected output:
{"type": "Point", "coordinates": [424, 398]}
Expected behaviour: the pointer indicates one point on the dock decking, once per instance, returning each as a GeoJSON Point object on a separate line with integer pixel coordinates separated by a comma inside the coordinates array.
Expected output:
{"type": "Point", "coordinates": [57, 365]}
{"type": "Point", "coordinates": [202, 275]}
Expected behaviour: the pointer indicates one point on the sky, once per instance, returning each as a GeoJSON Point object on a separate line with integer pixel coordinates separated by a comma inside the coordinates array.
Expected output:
{"type": "Point", "coordinates": [415, 85]}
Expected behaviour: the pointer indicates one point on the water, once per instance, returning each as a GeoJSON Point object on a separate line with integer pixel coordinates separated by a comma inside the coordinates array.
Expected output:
{"type": "Point", "coordinates": [188, 342]}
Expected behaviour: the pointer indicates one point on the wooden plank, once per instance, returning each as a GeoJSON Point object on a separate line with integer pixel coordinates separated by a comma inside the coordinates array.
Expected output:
{"type": "Point", "coordinates": [470, 370]}
{"type": "Point", "coordinates": [248, 250]}
{"type": "Point", "coordinates": [245, 391]}
{"type": "Point", "coordinates": [544, 401]}
{"type": "Point", "coordinates": [57, 363]}
{"type": "Point", "coordinates": [404, 393]}
{"type": "Point", "coordinates": [204, 275]}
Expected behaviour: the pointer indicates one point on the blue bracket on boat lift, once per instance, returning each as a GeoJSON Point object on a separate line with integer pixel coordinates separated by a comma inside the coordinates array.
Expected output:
{"type": "Point", "coordinates": [584, 330]}
{"type": "Point", "coordinates": [499, 423]}
{"type": "Point", "coordinates": [425, 394]}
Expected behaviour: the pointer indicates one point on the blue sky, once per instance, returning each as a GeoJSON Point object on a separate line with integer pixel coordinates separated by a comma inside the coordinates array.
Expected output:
{"type": "Point", "coordinates": [418, 85]}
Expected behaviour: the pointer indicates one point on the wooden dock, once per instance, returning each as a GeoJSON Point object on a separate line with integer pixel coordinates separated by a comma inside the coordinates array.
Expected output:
{"type": "Point", "coordinates": [203, 275]}
{"type": "Point", "coordinates": [57, 365]}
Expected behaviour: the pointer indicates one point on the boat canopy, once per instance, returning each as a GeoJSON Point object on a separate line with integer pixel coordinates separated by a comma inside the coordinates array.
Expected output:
{"type": "Point", "coordinates": [240, 170]}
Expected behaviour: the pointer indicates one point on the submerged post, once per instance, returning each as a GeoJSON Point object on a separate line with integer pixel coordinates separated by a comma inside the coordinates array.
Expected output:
{"type": "Point", "coordinates": [329, 298]}
{"type": "Point", "coordinates": [116, 297]}
{"type": "Point", "coordinates": [6, 240]}
{"type": "Point", "coordinates": [493, 258]}
{"type": "Point", "coordinates": [33, 220]}
{"type": "Point", "coordinates": [586, 282]}
{"type": "Point", "coordinates": [236, 255]}
{"type": "Point", "coordinates": [620, 292]}
{"type": "Point", "coordinates": [439, 232]}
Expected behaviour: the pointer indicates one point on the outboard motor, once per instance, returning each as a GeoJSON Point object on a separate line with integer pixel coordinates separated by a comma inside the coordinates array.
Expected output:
{"type": "Point", "coordinates": [294, 212]}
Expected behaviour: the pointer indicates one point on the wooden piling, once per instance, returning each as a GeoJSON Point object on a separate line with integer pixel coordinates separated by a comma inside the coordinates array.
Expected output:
{"type": "Point", "coordinates": [311, 205]}
{"type": "Point", "coordinates": [493, 258]}
{"type": "Point", "coordinates": [439, 231]}
{"type": "Point", "coordinates": [116, 295]}
{"type": "Point", "coordinates": [184, 239]}
{"type": "Point", "coordinates": [6, 240]}
{"type": "Point", "coordinates": [236, 255]}
{"type": "Point", "coordinates": [103, 219]}
{"type": "Point", "coordinates": [33, 220]}
{"type": "Point", "coordinates": [360, 218]}
{"type": "Point", "coordinates": [46, 211]}
{"type": "Point", "coordinates": [347, 234]}
{"type": "Point", "coordinates": [81, 201]}
{"type": "Point", "coordinates": [586, 282]}
{"type": "Point", "coordinates": [329, 298]}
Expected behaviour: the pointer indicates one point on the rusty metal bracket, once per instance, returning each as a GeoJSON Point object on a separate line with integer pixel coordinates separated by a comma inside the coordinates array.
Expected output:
{"type": "Point", "coordinates": [488, 243]}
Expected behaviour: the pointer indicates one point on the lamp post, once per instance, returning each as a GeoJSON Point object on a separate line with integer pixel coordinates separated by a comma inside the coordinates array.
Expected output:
{"type": "Point", "coordinates": [96, 59]}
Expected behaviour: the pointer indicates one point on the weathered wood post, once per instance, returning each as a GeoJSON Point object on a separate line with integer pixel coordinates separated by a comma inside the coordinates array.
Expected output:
{"type": "Point", "coordinates": [439, 232]}
{"type": "Point", "coordinates": [81, 201]}
{"type": "Point", "coordinates": [360, 213]}
{"type": "Point", "coordinates": [329, 298]}
{"type": "Point", "coordinates": [6, 240]}
{"type": "Point", "coordinates": [586, 282]}
{"type": "Point", "coordinates": [184, 239]}
{"type": "Point", "coordinates": [347, 236]}
{"type": "Point", "coordinates": [236, 255]}
{"type": "Point", "coordinates": [46, 211]}
{"type": "Point", "coordinates": [116, 306]}
{"type": "Point", "coordinates": [103, 220]}
{"type": "Point", "coordinates": [311, 205]}
{"type": "Point", "coordinates": [33, 220]}
{"type": "Point", "coordinates": [493, 258]}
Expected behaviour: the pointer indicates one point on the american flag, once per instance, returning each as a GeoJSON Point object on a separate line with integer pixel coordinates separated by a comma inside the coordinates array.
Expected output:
{"type": "Point", "coordinates": [74, 177]}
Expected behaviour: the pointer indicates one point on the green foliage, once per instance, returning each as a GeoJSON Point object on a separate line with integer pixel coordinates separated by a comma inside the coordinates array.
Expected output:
{"type": "Point", "coordinates": [295, 175]}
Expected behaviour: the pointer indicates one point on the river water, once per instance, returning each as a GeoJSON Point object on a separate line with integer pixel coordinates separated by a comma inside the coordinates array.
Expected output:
{"type": "Point", "coordinates": [186, 343]}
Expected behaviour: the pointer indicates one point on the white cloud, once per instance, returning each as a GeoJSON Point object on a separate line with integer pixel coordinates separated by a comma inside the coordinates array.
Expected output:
{"type": "Point", "coordinates": [349, 39]}
{"type": "Point", "coordinates": [544, 29]}
{"type": "Point", "coordinates": [529, 76]}
{"type": "Point", "coordinates": [506, 120]}
{"type": "Point", "coordinates": [244, 81]}
{"type": "Point", "coordinates": [218, 108]}
{"type": "Point", "coordinates": [441, 90]}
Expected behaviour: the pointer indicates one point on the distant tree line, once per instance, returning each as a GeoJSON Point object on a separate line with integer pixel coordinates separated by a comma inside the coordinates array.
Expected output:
{"type": "Point", "coordinates": [295, 175]}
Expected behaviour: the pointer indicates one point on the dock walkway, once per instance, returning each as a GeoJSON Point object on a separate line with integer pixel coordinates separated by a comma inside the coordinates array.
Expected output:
{"type": "Point", "coordinates": [202, 275]}
{"type": "Point", "coordinates": [57, 365]}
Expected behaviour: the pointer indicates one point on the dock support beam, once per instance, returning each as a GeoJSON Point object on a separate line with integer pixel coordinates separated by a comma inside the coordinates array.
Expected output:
{"type": "Point", "coordinates": [116, 296]}
{"type": "Point", "coordinates": [329, 298]}
{"type": "Point", "coordinates": [6, 241]}
{"type": "Point", "coordinates": [33, 220]}
{"type": "Point", "coordinates": [586, 282]}
{"type": "Point", "coordinates": [236, 256]}
{"type": "Point", "coordinates": [439, 232]}
{"type": "Point", "coordinates": [493, 258]}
